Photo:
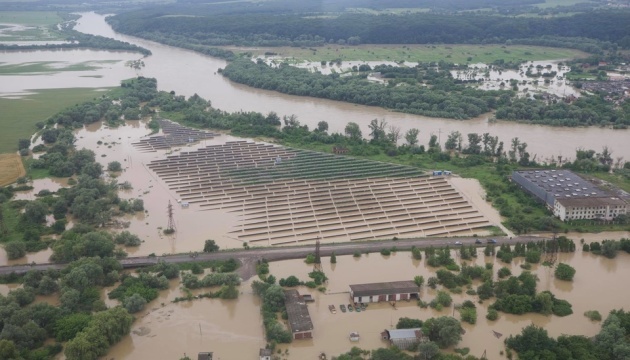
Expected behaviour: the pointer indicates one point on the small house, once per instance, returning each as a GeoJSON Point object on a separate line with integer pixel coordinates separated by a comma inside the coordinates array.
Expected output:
{"type": "Point", "coordinates": [265, 354]}
{"type": "Point", "coordinates": [403, 338]}
{"type": "Point", "coordinates": [204, 356]}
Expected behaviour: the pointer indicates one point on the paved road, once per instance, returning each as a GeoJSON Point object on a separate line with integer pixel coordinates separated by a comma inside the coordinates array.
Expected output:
{"type": "Point", "coordinates": [248, 258]}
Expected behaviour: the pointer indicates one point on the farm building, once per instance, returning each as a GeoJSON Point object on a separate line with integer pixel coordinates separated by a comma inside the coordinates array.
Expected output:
{"type": "Point", "coordinates": [204, 356]}
{"type": "Point", "coordinates": [300, 323]}
{"type": "Point", "coordinates": [387, 291]}
{"type": "Point", "coordinates": [265, 354]}
{"type": "Point", "coordinates": [403, 338]}
{"type": "Point", "coordinates": [569, 196]}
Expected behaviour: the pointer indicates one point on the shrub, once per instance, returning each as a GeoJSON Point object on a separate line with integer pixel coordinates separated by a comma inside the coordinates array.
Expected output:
{"type": "Point", "coordinates": [492, 315]}
{"type": "Point", "coordinates": [385, 252]}
{"type": "Point", "coordinates": [594, 315]}
{"type": "Point", "coordinates": [114, 166]}
{"type": "Point", "coordinates": [564, 272]}
{"type": "Point", "coordinates": [504, 272]}
{"type": "Point", "coordinates": [210, 246]}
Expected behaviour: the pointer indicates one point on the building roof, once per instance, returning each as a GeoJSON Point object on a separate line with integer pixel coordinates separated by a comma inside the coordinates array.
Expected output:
{"type": "Point", "coordinates": [204, 356]}
{"type": "Point", "coordinates": [265, 352]}
{"type": "Point", "coordinates": [398, 334]}
{"type": "Point", "coordinates": [561, 183]}
{"type": "Point", "coordinates": [385, 288]}
{"type": "Point", "coordinates": [299, 318]}
{"type": "Point", "coordinates": [590, 201]}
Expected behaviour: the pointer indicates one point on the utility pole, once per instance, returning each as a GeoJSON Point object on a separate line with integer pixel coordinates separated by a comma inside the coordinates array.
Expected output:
{"type": "Point", "coordinates": [171, 222]}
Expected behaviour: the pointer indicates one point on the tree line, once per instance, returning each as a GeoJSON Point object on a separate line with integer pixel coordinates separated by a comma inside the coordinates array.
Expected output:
{"type": "Point", "coordinates": [273, 29]}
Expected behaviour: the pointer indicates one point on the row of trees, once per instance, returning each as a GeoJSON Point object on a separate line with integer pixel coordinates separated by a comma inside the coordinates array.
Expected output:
{"type": "Point", "coordinates": [428, 92]}
{"type": "Point", "coordinates": [611, 343]}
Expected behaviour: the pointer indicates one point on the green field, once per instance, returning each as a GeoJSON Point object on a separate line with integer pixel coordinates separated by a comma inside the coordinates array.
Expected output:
{"type": "Point", "coordinates": [51, 67]}
{"type": "Point", "coordinates": [34, 18]}
{"type": "Point", "coordinates": [423, 53]}
{"type": "Point", "coordinates": [18, 116]}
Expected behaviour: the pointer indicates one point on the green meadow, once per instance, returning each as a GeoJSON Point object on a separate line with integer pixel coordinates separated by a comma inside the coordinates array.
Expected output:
{"type": "Point", "coordinates": [19, 116]}
{"type": "Point", "coordinates": [34, 18]}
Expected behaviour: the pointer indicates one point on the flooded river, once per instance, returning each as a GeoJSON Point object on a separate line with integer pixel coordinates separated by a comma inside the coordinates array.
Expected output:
{"type": "Point", "coordinates": [233, 329]}
{"type": "Point", "coordinates": [188, 73]}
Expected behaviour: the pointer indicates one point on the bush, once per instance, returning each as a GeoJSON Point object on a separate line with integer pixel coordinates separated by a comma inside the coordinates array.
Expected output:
{"type": "Point", "coordinates": [492, 315]}
{"type": "Point", "coordinates": [385, 252]}
{"type": "Point", "coordinates": [210, 246]}
{"type": "Point", "coordinates": [562, 308]}
{"type": "Point", "coordinates": [594, 315]}
{"type": "Point", "coordinates": [564, 272]}
{"type": "Point", "coordinates": [114, 166]}
{"type": "Point", "coordinates": [128, 239]}
{"type": "Point", "coordinates": [15, 249]}
{"type": "Point", "coordinates": [504, 272]}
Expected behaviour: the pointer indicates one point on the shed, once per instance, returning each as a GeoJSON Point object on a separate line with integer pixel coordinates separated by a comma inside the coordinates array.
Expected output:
{"type": "Point", "coordinates": [403, 338]}
{"type": "Point", "coordinates": [300, 323]}
{"type": "Point", "coordinates": [204, 356]}
{"type": "Point", "coordinates": [265, 354]}
{"type": "Point", "coordinates": [386, 291]}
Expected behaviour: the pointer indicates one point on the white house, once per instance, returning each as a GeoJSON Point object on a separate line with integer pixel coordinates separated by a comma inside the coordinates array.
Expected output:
{"type": "Point", "coordinates": [575, 208]}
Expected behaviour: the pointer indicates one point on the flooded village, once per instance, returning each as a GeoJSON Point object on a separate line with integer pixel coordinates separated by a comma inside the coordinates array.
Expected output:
{"type": "Point", "coordinates": [349, 241]}
{"type": "Point", "coordinates": [225, 209]}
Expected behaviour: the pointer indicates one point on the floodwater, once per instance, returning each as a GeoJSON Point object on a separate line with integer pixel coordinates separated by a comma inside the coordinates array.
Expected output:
{"type": "Point", "coordinates": [493, 78]}
{"type": "Point", "coordinates": [188, 73]}
{"type": "Point", "coordinates": [233, 329]}
{"type": "Point", "coordinates": [107, 69]}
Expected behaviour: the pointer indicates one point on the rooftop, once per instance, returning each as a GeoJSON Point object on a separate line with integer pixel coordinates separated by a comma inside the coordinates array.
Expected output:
{"type": "Point", "coordinates": [385, 288]}
{"type": "Point", "coordinates": [590, 201]}
{"type": "Point", "coordinates": [265, 352]}
{"type": "Point", "coordinates": [299, 318]}
{"type": "Point", "coordinates": [204, 356]}
{"type": "Point", "coordinates": [395, 334]}
{"type": "Point", "coordinates": [562, 183]}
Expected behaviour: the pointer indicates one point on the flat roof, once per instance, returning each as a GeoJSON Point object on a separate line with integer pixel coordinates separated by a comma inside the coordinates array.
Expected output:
{"type": "Point", "coordinates": [384, 288]}
{"type": "Point", "coordinates": [562, 183]}
{"type": "Point", "coordinates": [590, 201]}
{"type": "Point", "coordinates": [396, 334]}
{"type": "Point", "coordinates": [299, 318]}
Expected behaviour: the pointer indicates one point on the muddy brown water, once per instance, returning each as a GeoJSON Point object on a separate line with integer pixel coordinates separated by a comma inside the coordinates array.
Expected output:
{"type": "Point", "coordinates": [233, 329]}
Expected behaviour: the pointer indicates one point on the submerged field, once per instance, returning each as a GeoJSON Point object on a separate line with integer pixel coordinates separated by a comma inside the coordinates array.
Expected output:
{"type": "Point", "coordinates": [38, 67]}
{"type": "Point", "coordinates": [29, 26]}
{"type": "Point", "coordinates": [424, 53]}
{"type": "Point", "coordinates": [19, 115]}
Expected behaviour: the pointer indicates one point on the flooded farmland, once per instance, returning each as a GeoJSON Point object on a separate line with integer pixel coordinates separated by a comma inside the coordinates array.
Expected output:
{"type": "Point", "coordinates": [233, 329]}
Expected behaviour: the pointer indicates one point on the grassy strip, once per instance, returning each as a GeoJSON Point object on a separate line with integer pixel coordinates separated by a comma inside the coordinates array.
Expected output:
{"type": "Point", "coordinates": [19, 116]}
{"type": "Point", "coordinates": [424, 53]}
{"type": "Point", "coordinates": [40, 18]}
{"type": "Point", "coordinates": [48, 67]}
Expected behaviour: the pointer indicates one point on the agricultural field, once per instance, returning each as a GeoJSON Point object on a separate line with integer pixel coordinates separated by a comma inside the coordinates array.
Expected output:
{"type": "Point", "coordinates": [19, 116]}
{"type": "Point", "coordinates": [423, 53]}
{"type": "Point", "coordinates": [29, 26]}
{"type": "Point", "coordinates": [11, 168]}
{"type": "Point", "coordinates": [51, 66]}
{"type": "Point", "coordinates": [33, 18]}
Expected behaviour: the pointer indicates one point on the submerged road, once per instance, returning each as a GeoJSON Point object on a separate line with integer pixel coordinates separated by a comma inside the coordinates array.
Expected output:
{"type": "Point", "coordinates": [248, 258]}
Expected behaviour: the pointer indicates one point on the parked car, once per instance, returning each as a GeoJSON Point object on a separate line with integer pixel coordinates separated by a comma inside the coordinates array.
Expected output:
{"type": "Point", "coordinates": [477, 241]}
{"type": "Point", "coordinates": [492, 241]}
{"type": "Point", "coordinates": [458, 243]}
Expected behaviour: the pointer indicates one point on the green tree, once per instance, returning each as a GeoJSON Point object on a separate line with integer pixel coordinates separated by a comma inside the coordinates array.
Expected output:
{"type": "Point", "coordinates": [411, 137]}
{"type": "Point", "coordinates": [114, 166]}
{"type": "Point", "coordinates": [15, 249]}
{"type": "Point", "coordinates": [353, 131]}
{"type": "Point", "coordinates": [445, 331]}
{"type": "Point", "coordinates": [210, 246]}
{"type": "Point", "coordinates": [333, 258]}
{"type": "Point", "coordinates": [134, 303]}
{"type": "Point", "coordinates": [35, 212]}
{"type": "Point", "coordinates": [69, 326]}
{"type": "Point", "coordinates": [428, 350]}
{"type": "Point", "coordinates": [274, 297]}
{"type": "Point", "coordinates": [408, 323]}
{"type": "Point", "coordinates": [128, 239]}
{"type": "Point", "coordinates": [564, 272]}
{"type": "Point", "coordinates": [419, 280]}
